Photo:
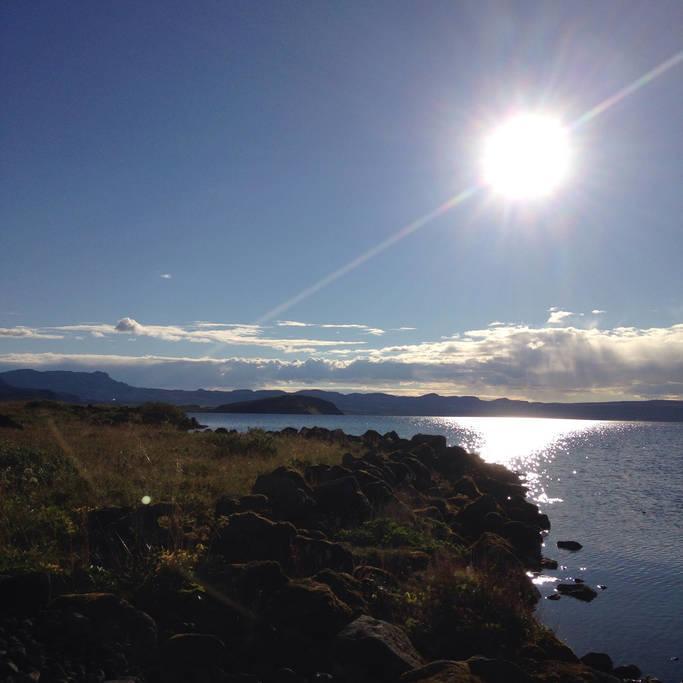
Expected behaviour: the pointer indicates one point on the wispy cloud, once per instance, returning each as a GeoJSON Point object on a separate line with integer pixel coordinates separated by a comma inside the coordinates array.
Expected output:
{"type": "Point", "coordinates": [21, 332]}
{"type": "Point", "coordinates": [598, 311]}
{"type": "Point", "coordinates": [206, 333]}
{"type": "Point", "coordinates": [166, 276]}
{"type": "Point", "coordinates": [376, 331]}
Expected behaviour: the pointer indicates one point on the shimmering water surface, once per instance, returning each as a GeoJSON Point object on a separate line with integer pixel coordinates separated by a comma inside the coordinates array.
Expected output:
{"type": "Point", "coordinates": [616, 487]}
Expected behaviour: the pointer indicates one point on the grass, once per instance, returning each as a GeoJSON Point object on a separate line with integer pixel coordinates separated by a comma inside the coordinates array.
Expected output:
{"type": "Point", "coordinates": [70, 459]}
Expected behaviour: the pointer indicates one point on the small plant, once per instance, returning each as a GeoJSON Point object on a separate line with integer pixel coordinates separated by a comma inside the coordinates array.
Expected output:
{"type": "Point", "coordinates": [387, 533]}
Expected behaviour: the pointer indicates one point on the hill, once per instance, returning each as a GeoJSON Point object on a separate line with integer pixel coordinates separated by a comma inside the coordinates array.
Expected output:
{"type": "Point", "coordinates": [99, 387]}
{"type": "Point", "coordinates": [291, 404]}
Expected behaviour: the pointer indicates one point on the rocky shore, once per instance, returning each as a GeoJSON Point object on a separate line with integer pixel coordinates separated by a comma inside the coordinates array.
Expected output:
{"type": "Point", "coordinates": [408, 561]}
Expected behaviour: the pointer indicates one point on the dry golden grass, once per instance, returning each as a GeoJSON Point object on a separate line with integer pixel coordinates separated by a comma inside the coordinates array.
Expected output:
{"type": "Point", "coordinates": [61, 464]}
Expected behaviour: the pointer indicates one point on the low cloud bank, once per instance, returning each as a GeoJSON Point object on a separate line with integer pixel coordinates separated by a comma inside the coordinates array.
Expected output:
{"type": "Point", "coordinates": [546, 363]}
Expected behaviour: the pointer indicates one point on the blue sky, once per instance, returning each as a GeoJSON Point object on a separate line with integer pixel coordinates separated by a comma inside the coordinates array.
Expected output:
{"type": "Point", "coordinates": [172, 172]}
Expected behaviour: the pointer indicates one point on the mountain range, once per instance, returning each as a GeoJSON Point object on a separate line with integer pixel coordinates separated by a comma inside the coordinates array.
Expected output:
{"type": "Point", "coordinates": [99, 387]}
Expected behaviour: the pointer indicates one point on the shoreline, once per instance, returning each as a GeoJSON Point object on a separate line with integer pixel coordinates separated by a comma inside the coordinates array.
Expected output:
{"type": "Point", "coordinates": [407, 560]}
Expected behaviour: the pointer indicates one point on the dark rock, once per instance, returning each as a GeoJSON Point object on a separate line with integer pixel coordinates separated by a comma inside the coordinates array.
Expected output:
{"type": "Point", "coordinates": [342, 501]}
{"type": "Point", "coordinates": [471, 517]}
{"type": "Point", "coordinates": [569, 545]}
{"type": "Point", "coordinates": [496, 670]}
{"type": "Point", "coordinates": [376, 577]}
{"type": "Point", "coordinates": [346, 587]}
{"type": "Point", "coordinates": [24, 593]}
{"type": "Point", "coordinates": [493, 556]}
{"type": "Point", "coordinates": [226, 506]}
{"type": "Point", "coordinates": [192, 657]}
{"type": "Point", "coordinates": [599, 661]}
{"type": "Point", "coordinates": [372, 650]}
{"type": "Point", "coordinates": [256, 502]}
{"type": "Point", "coordinates": [436, 441]}
{"type": "Point", "coordinates": [466, 487]}
{"type": "Point", "coordinates": [6, 422]}
{"type": "Point", "coordinates": [553, 596]}
{"type": "Point", "coordinates": [254, 580]}
{"type": "Point", "coordinates": [580, 591]}
{"type": "Point", "coordinates": [311, 555]}
{"type": "Point", "coordinates": [547, 563]}
{"type": "Point", "coordinates": [310, 608]}
{"type": "Point", "coordinates": [105, 618]}
{"type": "Point", "coordinates": [288, 493]}
{"type": "Point", "coordinates": [627, 671]}
{"type": "Point", "coordinates": [441, 671]}
{"type": "Point", "coordinates": [525, 538]}
{"type": "Point", "coordinates": [248, 536]}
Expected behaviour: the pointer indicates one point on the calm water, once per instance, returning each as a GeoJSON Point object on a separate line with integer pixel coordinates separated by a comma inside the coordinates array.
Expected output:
{"type": "Point", "coordinates": [615, 487]}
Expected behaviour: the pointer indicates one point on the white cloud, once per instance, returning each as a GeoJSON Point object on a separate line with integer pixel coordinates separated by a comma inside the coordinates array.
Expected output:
{"type": "Point", "coordinates": [597, 311]}
{"type": "Point", "coordinates": [376, 331]}
{"type": "Point", "coordinates": [206, 333]}
{"type": "Point", "coordinates": [557, 315]}
{"type": "Point", "coordinates": [21, 332]}
{"type": "Point", "coordinates": [546, 363]}
{"type": "Point", "coordinates": [166, 276]}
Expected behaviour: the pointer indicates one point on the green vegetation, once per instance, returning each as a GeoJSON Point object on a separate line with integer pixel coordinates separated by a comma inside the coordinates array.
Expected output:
{"type": "Point", "coordinates": [69, 459]}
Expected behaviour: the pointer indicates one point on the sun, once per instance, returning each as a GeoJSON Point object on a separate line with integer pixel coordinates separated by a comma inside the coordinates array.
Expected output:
{"type": "Point", "coordinates": [526, 157]}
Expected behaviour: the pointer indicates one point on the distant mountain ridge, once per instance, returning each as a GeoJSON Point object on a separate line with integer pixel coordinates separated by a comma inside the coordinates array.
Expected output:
{"type": "Point", "coordinates": [99, 387]}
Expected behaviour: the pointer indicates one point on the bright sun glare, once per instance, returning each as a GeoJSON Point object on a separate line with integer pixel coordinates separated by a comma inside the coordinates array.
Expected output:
{"type": "Point", "coordinates": [526, 157]}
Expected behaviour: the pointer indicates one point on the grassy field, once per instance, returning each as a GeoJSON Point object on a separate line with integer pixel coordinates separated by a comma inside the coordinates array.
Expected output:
{"type": "Point", "coordinates": [67, 460]}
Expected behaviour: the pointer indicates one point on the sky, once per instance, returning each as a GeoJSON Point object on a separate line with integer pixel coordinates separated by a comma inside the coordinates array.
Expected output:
{"type": "Point", "coordinates": [224, 195]}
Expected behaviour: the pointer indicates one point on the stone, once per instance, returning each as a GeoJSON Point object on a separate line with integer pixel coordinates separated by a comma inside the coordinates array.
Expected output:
{"type": "Point", "coordinates": [569, 545]}
{"type": "Point", "coordinates": [192, 657]}
{"type": "Point", "coordinates": [441, 671]}
{"type": "Point", "coordinates": [599, 661]}
{"type": "Point", "coordinates": [580, 591]}
{"type": "Point", "coordinates": [525, 538]}
{"type": "Point", "coordinates": [436, 441]}
{"type": "Point", "coordinates": [310, 608]}
{"type": "Point", "coordinates": [248, 536]}
{"type": "Point", "coordinates": [24, 593]}
{"type": "Point", "coordinates": [627, 671]}
{"type": "Point", "coordinates": [106, 618]}
{"type": "Point", "coordinates": [496, 670]}
{"type": "Point", "coordinates": [342, 501]}
{"type": "Point", "coordinates": [369, 649]}
{"type": "Point", "coordinates": [465, 486]}
{"type": "Point", "coordinates": [346, 587]}
{"type": "Point", "coordinates": [288, 493]}
{"type": "Point", "coordinates": [310, 555]}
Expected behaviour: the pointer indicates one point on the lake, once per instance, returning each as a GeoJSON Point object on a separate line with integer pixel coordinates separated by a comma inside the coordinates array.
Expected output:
{"type": "Point", "coordinates": [616, 487]}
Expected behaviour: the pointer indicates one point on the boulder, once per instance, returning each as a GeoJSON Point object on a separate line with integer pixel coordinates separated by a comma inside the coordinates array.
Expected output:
{"type": "Point", "coordinates": [471, 517]}
{"type": "Point", "coordinates": [369, 649]}
{"type": "Point", "coordinates": [192, 658]}
{"type": "Point", "coordinates": [104, 618]}
{"type": "Point", "coordinates": [627, 671]}
{"type": "Point", "coordinates": [496, 670]}
{"type": "Point", "coordinates": [525, 538]}
{"type": "Point", "coordinates": [310, 608]}
{"type": "Point", "coordinates": [436, 441]}
{"type": "Point", "coordinates": [24, 593]}
{"type": "Point", "coordinates": [345, 587]}
{"type": "Point", "coordinates": [580, 591]}
{"type": "Point", "coordinates": [569, 545]}
{"type": "Point", "coordinates": [342, 502]}
{"type": "Point", "coordinates": [248, 536]}
{"type": "Point", "coordinates": [288, 493]}
{"type": "Point", "coordinates": [465, 486]}
{"type": "Point", "coordinates": [599, 661]}
{"type": "Point", "coordinates": [441, 671]}
{"type": "Point", "coordinates": [493, 556]}
{"type": "Point", "coordinates": [310, 555]}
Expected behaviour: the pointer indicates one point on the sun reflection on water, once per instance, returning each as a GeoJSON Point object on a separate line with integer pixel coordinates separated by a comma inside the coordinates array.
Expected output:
{"type": "Point", "coordinates": [526, 445]}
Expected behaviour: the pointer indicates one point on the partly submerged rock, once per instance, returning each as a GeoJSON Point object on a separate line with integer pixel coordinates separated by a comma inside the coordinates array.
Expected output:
{"type": "Point", "coordinates": [569, 545]}
{"type": "Point", "coordinates": [580, 591]}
